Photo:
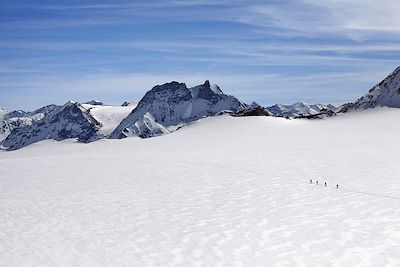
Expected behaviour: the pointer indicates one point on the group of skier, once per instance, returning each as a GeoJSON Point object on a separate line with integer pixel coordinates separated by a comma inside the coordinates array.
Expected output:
{"type": "Point", "coordinates": [317, 183]}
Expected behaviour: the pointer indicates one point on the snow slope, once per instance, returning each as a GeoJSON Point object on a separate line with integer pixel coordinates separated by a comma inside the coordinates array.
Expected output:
{"type": "Point", "coordinates": [109, 116]}
{"type": "Point", "coordinates": [223, 191]}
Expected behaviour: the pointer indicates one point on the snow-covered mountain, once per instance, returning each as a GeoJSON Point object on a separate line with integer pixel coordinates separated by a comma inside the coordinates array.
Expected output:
{"type": "Point", "coordinates": [384, 94]}
{"type": "Point", "coordinates": [69, 121]}
{"type": "Point", "coordinates": [20, 118]}
{"type": "Point", "coordinates": [86, 122]}
{"type": "Point", "coordinates": [298, 109]}
{"type": "Point", "coordinates": [165, 107]}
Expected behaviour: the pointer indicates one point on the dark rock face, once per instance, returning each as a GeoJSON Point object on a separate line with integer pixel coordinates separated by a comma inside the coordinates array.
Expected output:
{"type": "Point", "coordinates": [16, 114]}
{"type": "Point", "coordinates": [128, 103]}
{"type": "Point", "coordinates": [173, 104]}
{"type": "Point", "coordinates": [69, 121]}
{"type": "Point", "coordinates": [346, 107]}
{"type": "Point", "coordinates": [324, 113]}
{"type": "Point", "coordinates": [94, 103]}
{"type": "Point", "coordinates": [253, 110]}
{"type": "Point", "coordinates": [18, 118]}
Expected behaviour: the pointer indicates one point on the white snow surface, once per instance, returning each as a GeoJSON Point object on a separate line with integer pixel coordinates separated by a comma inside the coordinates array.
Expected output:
{"type": "Point", "coordinates": [222, 191]}
{"type": "Point", "coordinates": [109, 116]}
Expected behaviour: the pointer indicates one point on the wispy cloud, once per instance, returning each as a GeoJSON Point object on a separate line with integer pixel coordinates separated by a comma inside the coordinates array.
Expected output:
{"type": "Point", "coordinates": [268, 51]}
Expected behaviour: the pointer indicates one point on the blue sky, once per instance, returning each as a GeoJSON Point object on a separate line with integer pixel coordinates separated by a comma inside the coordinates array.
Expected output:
{"type": "Point", "coordinates": [329, 51]}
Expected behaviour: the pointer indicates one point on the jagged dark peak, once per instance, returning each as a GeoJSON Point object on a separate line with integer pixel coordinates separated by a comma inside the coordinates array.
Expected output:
{"type": "Point", "coordinates": [171, 86]}
{"type": "Point", "coordinates": [46, 109]}
{"type": "Point", "coordinates": [16, 114]}
{"type": "Point", "coordinates": [173, 104]}
{"type": "Point", "coordinates": [331, 107]}
{"type": "Point", "coordinates": [75, 111]}
{"type": "Point", "coordinates": [253, 110]}
{"type": "Point", "coordinates": [254, 104]}
{"type": "Point", "coordinates": [128, 103]}
{"type": "Point", "coordinates": [206, 91]}
{"type": "Point", "coordinates": [172, 92]}
{"type": "Point", "coordinates": [94, 103]}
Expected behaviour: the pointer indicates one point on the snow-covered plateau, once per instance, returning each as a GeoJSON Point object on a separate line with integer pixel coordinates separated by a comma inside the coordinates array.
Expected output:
{"type": "Point", "coordinates": [223, 191]}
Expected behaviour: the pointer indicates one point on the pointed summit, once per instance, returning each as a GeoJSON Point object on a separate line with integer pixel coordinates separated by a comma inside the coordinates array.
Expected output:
{"type": "Point", "coordinates": [384, 94]}
{"type": "Point", "coordinates": [69, 121]}
{"type": "Point", "coordinates": [173, 104]}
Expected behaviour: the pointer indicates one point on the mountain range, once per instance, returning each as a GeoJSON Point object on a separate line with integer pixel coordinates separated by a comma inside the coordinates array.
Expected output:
{"type": "Point", "coordinates": [164, 109]}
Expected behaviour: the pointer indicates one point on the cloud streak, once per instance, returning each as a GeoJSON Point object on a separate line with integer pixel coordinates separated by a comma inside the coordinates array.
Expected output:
{"type": "Point", "coordinates": [269, 51]}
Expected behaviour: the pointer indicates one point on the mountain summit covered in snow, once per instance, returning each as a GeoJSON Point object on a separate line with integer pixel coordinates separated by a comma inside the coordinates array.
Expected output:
{"type": "Point", "coordinates": [69, 121]}
{"type": "Point", "coordinates": [384, 94]}
{"type": "Point", "coordinates": [166, 107]}
{"type": "Point", "coordinates": [298, 109]}
{"type": "Point", "coordinates": [85, 122]}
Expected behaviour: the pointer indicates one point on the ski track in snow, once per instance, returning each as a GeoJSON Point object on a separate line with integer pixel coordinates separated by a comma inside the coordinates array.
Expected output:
{"type": "Point", "coordinates": [221, 192]}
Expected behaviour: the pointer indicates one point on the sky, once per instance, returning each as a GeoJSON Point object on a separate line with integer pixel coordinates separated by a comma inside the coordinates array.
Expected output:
{"type": "Point", "coordinates": [278, 51]}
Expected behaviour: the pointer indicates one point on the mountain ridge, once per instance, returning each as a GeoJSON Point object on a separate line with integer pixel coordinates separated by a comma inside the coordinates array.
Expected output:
{"type": "Point", "coordinates": [173, 104]}
{"type": "Point", "coordinates": [384, 94]}
{"type": "Point", "coordinates": [164, 109]}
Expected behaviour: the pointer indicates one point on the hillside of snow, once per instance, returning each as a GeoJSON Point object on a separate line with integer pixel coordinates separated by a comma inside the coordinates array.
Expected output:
{"type": "Point", "coordinates": [109, 116]}
{"type": "Point", "coordinates": [222, 191]}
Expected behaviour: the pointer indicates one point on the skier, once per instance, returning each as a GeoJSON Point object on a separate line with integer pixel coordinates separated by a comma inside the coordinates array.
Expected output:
{"type": "Point", "coordinates": [316, 182]}
{"type": "Point", "coordinates": [325, 183]}
{"type": "Point", "coordinates": [310, 181]}
{"type": "Point", "coordinates": [337, 186]}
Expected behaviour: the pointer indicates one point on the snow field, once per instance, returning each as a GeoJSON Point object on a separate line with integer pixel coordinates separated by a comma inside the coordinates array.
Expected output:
{"type": "Point", "coordinates": [221, 192]}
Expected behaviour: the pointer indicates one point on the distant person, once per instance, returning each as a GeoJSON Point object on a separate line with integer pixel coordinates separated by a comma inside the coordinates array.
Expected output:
{"type": "Point", "coordinates": [325, 183]}
{"type": "Point", "coordinates": [337, 186]}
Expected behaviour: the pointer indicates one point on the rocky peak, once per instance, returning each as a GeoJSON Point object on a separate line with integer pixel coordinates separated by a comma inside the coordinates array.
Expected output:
{"type": "Point", "coordinates": [172, 104]}
{"type": "Point", "coordinates": [129, 103]}
{"type": "Point", "coordinates": [94, 103]}
{"type": "Point", "coordinates": [385, 94]}
{"type": "Point", "coordinates": [69, 121]}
